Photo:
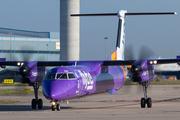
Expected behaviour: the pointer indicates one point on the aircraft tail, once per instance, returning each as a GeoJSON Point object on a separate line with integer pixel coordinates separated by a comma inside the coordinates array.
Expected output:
{"type": "Point", "coordinates": [121, 14]}
{"type": "Point", "coordinates": [120, 43]}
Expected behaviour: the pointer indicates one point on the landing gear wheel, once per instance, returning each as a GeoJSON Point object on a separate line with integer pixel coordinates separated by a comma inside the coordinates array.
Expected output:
{"type": "Point", "coordinates": [143, 102]}
{"type": "Point", "coordinates": [58, 107]}
{"type": "Point", "coordinates": [53, 107]}
{"type": "Point", "coordinates": [33, 104]}
{"type": "Point", "coordinates": [40, 104]}
{"type": "Point", "coordinates": [149, 103]}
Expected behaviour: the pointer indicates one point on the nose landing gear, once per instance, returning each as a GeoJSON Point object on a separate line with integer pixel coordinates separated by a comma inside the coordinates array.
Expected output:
{"type": "Point", "coordinates": [55, 105]}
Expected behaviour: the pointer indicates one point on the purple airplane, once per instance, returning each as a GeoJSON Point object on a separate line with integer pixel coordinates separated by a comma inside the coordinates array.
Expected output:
{"type": "Point", "coordinates": [76, 79]}
{"type": "Point", "coordinates": [82, 78]}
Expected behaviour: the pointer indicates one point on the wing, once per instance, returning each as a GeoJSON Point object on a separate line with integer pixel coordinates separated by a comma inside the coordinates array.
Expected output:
{"type": "Point", "coordinates": [104, 63]}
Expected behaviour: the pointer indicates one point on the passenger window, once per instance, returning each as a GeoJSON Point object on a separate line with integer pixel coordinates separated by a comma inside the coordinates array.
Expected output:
{"type": "Point", "coordinates": [71, 76]}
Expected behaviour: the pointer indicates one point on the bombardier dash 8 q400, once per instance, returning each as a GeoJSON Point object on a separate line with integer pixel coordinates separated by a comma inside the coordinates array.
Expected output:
{"type": "Point", "coordinates": [76, 79]}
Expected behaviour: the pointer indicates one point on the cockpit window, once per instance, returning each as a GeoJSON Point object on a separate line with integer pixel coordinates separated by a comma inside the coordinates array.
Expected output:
{"type": "Point", "coordinates": [65, 76]}
{"type": "Point", "coordinates": [50, 76]}
{"type": "Point", "coordinates": [61, 76]}
{"type": "Point", "coordinates": [71, 76]}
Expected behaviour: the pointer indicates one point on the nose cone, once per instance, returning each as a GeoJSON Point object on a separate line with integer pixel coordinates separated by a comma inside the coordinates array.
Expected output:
{"type": "Point", "coordinates": [59, 89]}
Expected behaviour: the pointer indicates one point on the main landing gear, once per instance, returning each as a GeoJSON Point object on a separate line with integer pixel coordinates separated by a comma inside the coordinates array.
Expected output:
{"type": "Point", "coordinates": [145, 100]}
{"type": "Point", "coordinates": [36, 102]}
{"type": "Point", "coordinates": [55, 105]}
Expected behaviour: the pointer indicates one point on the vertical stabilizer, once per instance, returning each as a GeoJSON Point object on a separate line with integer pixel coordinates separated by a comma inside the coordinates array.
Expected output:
{"type": "Point", "coordinates": [120, 44]}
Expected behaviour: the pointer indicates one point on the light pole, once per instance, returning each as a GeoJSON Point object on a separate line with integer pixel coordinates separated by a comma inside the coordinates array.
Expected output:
{"type": "Point", "coordinates": [47, 51]}
{"type": "Point", "coordinates": [10, 45]}
{"type": "Point", "coordinates": [105, 38]}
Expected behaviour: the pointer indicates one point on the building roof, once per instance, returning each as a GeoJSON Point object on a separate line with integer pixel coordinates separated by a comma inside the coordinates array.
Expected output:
{"type": "Point", "coordinates": [27, 33]}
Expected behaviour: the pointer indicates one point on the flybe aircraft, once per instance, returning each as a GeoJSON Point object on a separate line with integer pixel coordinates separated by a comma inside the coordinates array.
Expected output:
{"type": "Point", "coordinates": [82, 78]}
{"type": "Point", "coordinates": [76, 79]}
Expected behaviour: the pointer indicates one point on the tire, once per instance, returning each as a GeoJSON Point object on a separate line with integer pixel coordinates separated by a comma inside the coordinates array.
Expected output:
{"type": "Point", "coordinates": [40, 104]}
{"type": "Point", "coordinates": [53, 107]}
{"type": "Point", "coordinates": [58, 107]}
{"type": "Point", "coordinates": [149, 103]}
{"type": "Point", "coordinates": [143, 102]}
{"type": "Point", "coordinates": [33, 104]}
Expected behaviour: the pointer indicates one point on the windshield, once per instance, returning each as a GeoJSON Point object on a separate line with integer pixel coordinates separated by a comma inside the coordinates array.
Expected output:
{"type": "Point", "coordinates": [71, 76]}
{"type": "Point", "coordinates": [60, 76]}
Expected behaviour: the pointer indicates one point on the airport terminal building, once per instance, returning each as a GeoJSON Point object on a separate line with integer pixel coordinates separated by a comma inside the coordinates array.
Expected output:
{"type": "Point", "coordinates": [29, 45]}
{"type": "Point", "coordinates": [23, 45]}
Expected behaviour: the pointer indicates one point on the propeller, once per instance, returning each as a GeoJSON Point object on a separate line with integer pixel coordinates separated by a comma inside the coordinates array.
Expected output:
{"type": "Point", "coordinates": [140, 69]}
{"type": "Point", "coordinates": [144, 53]}
{"type": "Point", "coordinates": [28, 70]}
{"type": "Point", "coordinates": [25, 69]}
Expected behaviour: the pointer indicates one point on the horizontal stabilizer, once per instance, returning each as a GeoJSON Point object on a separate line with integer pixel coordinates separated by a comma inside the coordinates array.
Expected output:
{"type": "Point", "coordinates": [98, 14]}
{"type": "Point", "coordinates": [160, 13]}
{"type": "Point", "coordinates": [112, 91]}
{"type": "Point", "coordinates": [126, 14]}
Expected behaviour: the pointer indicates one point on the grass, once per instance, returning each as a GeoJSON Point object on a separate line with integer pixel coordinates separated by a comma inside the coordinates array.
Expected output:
{"type": "Point", "coordinates": [12, 91]}
{"type": "Point", "coordinates": [16, 84]}
{"type": "Point", "coordinates": [7, 101]}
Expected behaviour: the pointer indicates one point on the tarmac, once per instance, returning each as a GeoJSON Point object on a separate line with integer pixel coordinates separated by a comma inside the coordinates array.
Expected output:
{"type": "Point", "coordinates": [124, 105]}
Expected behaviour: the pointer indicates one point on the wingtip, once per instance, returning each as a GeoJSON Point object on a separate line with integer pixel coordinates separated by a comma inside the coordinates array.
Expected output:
{"type": "Point", "coordinates": [175, 13]}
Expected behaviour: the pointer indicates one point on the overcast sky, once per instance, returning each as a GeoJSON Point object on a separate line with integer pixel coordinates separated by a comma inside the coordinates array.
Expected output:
{"type": "Point", "coordinates": [160, 33]}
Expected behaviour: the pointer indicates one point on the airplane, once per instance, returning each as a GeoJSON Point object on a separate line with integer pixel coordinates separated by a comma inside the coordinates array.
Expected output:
{"type": "Point", "coordinates": [168, 70]}
{"type": "Point", "coordinates": [82, 78]}
{"type": "Point", "coordinates": [76, 79]}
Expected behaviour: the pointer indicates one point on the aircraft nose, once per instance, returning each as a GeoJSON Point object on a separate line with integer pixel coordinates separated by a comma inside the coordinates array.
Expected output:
{"type": "Point", "coordinates": [58, 89]}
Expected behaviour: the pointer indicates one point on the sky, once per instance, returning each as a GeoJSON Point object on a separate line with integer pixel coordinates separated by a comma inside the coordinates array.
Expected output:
{"type": "Point", "coordinates": [159, 33]}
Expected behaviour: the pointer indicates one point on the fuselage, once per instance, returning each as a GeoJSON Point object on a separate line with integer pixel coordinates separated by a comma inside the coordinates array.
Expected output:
{"type": "Point", "coordinates": [85, 78]}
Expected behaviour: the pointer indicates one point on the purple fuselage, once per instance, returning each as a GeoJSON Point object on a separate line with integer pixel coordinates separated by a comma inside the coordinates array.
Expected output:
{"type": "Point", "coordinates": [82, 79]}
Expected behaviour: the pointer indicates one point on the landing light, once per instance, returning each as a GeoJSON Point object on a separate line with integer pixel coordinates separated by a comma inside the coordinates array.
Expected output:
{"type": "Point", "coordinates": [155, 62]}
{"type": "Point", "coordinates": [53, 103]}
{"type": "Point", "coordinates": [18, 64]}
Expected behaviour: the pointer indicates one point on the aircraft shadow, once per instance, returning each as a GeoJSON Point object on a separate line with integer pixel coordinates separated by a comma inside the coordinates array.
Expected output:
{"type": "Point", "coordinates": [25, 108]}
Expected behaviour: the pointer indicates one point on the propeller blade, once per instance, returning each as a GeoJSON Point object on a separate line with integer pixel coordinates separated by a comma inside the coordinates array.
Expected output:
{"type": "Point", "coordinates": [145, 53]}
{"type": "Point", "coordinates": [24, 51]}
{"type": "Point", "coordinates": [129, 54]}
